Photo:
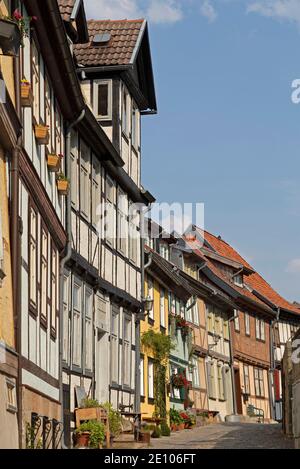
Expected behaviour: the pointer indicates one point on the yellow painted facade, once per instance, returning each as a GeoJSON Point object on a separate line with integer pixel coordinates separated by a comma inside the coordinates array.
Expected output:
{"type": "Point", "coordinates": [147, 405]}
{"type": "Point", "coordinates": [6, 292]}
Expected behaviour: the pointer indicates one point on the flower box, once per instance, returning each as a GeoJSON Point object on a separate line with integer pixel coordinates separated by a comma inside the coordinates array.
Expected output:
{"type": "Point", "coordinates": [42, 134]}
{"type": "Point", "coordinates": [63, 186]}
{"type": "Point", "coordinates": [53, 162]}
{"type": "Point", "coordinates": [26, 94]}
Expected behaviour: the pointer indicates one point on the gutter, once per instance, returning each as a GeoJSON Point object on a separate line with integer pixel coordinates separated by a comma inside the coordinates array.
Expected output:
{"type": "Point", "coordinates": [63, 264]}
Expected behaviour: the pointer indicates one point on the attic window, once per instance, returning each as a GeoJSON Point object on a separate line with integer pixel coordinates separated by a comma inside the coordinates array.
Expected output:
{"type": "Point", "coordinates": [238, 280]}
{"type": "Point", "coordinates": [101, 39]}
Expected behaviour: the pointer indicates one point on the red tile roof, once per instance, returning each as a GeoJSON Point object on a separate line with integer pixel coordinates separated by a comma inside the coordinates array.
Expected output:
{"type": "Point", "coordinates": [193, 244]}
{"type": "Point", "coordinates": [255, 281]}
{"type": "Point", "coordinates": [118, 51]}
{"type": "Point", "coordinates": [66, 7]}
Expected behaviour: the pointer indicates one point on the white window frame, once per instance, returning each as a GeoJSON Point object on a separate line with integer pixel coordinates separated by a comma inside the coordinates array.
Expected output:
{"type": "Point", "coordinates": [96, 85]}
{"type": "Point", "coordinates": [66, 318]}
{"type": "Point", "coordinates": [162, 307]}
{"type": "Point", "coordinates": [221, 383]}
{"type": "Point", "coordinates": [77, 324]}
{"type": "Point", "coordinates": [260, 329]}
{"type": "Point", "coordinates": [127, 340]}
{"type": "Point", "coordinates": [114, 344]}
{"type": "Point", "coordinates": [85, 197]}
{"type": "Point", "coordinates": [125, 111]}
{"type": "Point", "coordinates": [150, 379]}
{"type": "Point", "coordinates": [236, 321]}
{"type": "Point", "coordinates": [195, 372]}
{"type": "Point", "coordinates": [11, 396]}
{"type": "Point", "coordinates": [142, 376]}
{"type": "Point", "coordinates": [88, 328]}
{"type": "Point", "coordinates": [238, 280]}
{"type": "Point", "coordinates": [33, 257]}
{"type": "Point", "coordinates": [246, 379]}
{"type": "Point", "coordinates": [247, 323]}
{"type": "Point", "coordinates": [122, 223]}
{"type": "Point", "coordinates": [135, 128]}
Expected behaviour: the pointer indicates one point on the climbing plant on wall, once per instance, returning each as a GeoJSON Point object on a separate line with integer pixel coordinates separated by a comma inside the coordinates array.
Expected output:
{"type": "Point", "coordinates": [161, 346]}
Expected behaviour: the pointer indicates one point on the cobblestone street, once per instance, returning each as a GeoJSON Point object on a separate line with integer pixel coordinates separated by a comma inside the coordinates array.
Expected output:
{"type": "Point", "coordinates": [226, 436]}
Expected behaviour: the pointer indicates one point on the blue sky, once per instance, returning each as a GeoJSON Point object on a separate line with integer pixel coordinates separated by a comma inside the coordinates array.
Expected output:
{"type": "Point", "coordinates": [227, 133]}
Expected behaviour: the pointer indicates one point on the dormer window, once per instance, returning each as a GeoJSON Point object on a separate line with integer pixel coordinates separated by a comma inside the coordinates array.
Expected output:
{"type": "Point", "coordinates": [164, 250]}
{"type": "Point", "coordinates": [103, 99]}
{"type": "Point", "coordinates": [238, 280]}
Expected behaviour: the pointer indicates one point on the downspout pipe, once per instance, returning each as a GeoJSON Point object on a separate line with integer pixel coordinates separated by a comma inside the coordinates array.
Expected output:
{"type": "Point", "coordinates": [137, 390]}
{"type": "Point", "coordinates": [230, 320]}
{"type": "Point", "coordinates": [63, 263]}
{"type": "Point", "coordinates": [272, 363]}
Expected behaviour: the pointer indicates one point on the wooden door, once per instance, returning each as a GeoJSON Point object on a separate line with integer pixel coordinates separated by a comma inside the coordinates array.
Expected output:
{"type": "Point", "coordinates": [238, 392]}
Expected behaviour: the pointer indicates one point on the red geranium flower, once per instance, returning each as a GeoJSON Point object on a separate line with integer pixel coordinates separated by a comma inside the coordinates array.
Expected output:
{"type": "Point", "coordinates": [17, 15]}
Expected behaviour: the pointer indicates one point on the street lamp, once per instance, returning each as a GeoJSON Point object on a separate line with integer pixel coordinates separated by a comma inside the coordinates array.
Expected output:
{"type": "Point", "coordinates": [147, 304]}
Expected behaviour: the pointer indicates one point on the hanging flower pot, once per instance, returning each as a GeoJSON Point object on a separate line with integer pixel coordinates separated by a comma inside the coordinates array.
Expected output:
{"type": "Point", "coordinates": [53, 162]}
{"type": "Point", "coordinates": [26, 94]}
{"type": "Point", "coordinates": [42, 134]}
{"type": "Point", "coordinates": [10, 37]}
{"type": "Point", "coordinates": [62, 184]}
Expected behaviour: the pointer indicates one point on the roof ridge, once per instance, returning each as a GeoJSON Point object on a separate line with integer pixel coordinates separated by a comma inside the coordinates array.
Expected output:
{"type": "Point", "coordinates": [125, 20]}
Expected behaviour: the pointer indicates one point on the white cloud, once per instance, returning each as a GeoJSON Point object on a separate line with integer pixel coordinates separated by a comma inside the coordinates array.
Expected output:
{"type": "Point", "coordinates": [293, 266]}
{"type": "Point", "coordinates": [157, 11]}
{"type": "Point", "coordinates": [164, 11]}
{"type": "Point", "coordinates": [208, 10]}
{"type": "Point", "coordinates": [280, 9]}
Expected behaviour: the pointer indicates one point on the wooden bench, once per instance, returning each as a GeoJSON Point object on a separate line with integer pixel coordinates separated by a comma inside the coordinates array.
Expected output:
{"type": "Point", "coordinates": [94, 413]}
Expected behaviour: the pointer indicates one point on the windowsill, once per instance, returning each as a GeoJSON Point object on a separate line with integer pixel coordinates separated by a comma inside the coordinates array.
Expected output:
{"type": "Point", "coordinates": [260, 340]}
{"type": "Point", "coordinates": [163, 330]}
{"type": "Point", "coordinates": [151, 321]}
{"type": "Point", "coordinates": [151, 400]}
{"type": "Point", "coordinates": [11, 409]}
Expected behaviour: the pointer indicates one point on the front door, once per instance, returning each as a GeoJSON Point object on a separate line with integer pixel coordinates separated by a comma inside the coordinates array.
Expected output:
{"type": "Point", "coordinates": [238, 391]}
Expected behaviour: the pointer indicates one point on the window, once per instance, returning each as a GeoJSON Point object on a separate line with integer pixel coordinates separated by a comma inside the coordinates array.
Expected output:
{"type": "Point", "coordinates": [210, 318]}
{"type": "Point", "coordinates": [96, 190]}
{"type": "Point", "coordinates": [127, 350]}
{"type": "Point", "coordinates": [246, 380]}
{"type": "Point", "coordinates": [33, 258]}
{"type": "Point", "coordinates": [66, 322]}
{"type": "Point", "coordinates": [88, 329]}
{"type": "Point", "coordinates": [175, 391]}
{"type": "Point", "coordinates": [221, 388]}
{"type": "Point", "coordinates": [259, 382]}
{"type": "Point", "coordinates": [236, 321]}
{"type": "Point", "coordinates": [122, 221]}
{"type": "Point", "coordinates": [36, 82]}
{"type": "Point", "coordinates": [238, 280]}
{"type": "Point", "coordinates": [189, 310]}
{"type": "Point", "coordinates": [54, 289]}
{"type": "Point", "coordinates": [195, 313]}
{"type": "Point", "coordinates": [77, 324]}
{"type": "Point", "coordinates": [74, 168]}
{"type": "Point", "coordinates": [48, 108]}
{"type": "Point", "coordinates": [211, 380]}
{"type": "Point", "coordinates": [84, 180]}
{"type": "Point", "coordinates": [260, 329]}
{"type": "Point", "coordinates": [164, 250]}
{"type": "Point", "coordinates": [125, 105]}
{"type": "Point", "coordinates": [11, 397]}
{"type": "Point", "coordinates": [142, 377]}
{"type": "Point", "coordinates": [103, 99]}
{"type": "Point", "coordinates": [44, 277]}
{"type": "Point", "coordinates": [135, 127]}
{"type": "Point", "coordinates": [195, 373]}
{"type": "Point", "coordinates": [151, 294]}
{"type": "Point", "coordinates": [247, 324]}
{"type": "Point", "coordinates": [109, 216]}
{"type": "Point", "coordinates": [58, 127]}
{"type": "Point", "coordinates": [150, 379]}
{"type": "Point", "coordinates": [133, 238]}
{"type": "Point", "coordinates": [226, 329]}
{"type": "Point", "coordinates": [114, 343]}
{"type": "Point", "coordinates": [162, 308]}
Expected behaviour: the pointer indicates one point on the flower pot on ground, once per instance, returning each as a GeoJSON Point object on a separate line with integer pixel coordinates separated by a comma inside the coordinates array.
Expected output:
{"type": "Point", "coordinates": [53, 162]}
{"type": "Point", "coordinates": [145, 437]}
{"type": "Point", "coordinates": [82, 439]}
{"type": "Point", "coordinates": [62, 185]}
{"type": "Point", "coordinates": [181, 426]}
{"type": "Point", "coordinates": [42, 134]}
{"type": "Point", "coordinates": [95, 431]}
{"type": "Point", "coordinates": [26, 94]}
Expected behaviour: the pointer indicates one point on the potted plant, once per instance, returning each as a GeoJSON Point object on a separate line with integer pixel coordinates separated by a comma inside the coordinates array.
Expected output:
{"type": "Point", "coordinates": [145, 433]}
{"type": "Point", "coordinates": [91, 434]}
{"type": "Point", "coordinates": [13, 29]}
{"type": "Point", "coordinates": [53, 162]}
{"type": "Point", "coordinates": [175, 420]}
{"type": "Point", "coordinates": [42, 134]}
{"type": "Point", "coordinates": [26, 93]}
{"type": "Point", "coordinates": [63, 187]}
{"type": "Point", "coordinates": [114, 419]}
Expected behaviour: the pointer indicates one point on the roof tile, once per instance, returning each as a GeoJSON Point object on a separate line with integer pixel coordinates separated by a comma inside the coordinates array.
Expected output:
{"type": "Point", "coordinates": [66, 7]}
{"type": "Point", "coordinates": [118, 51]}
